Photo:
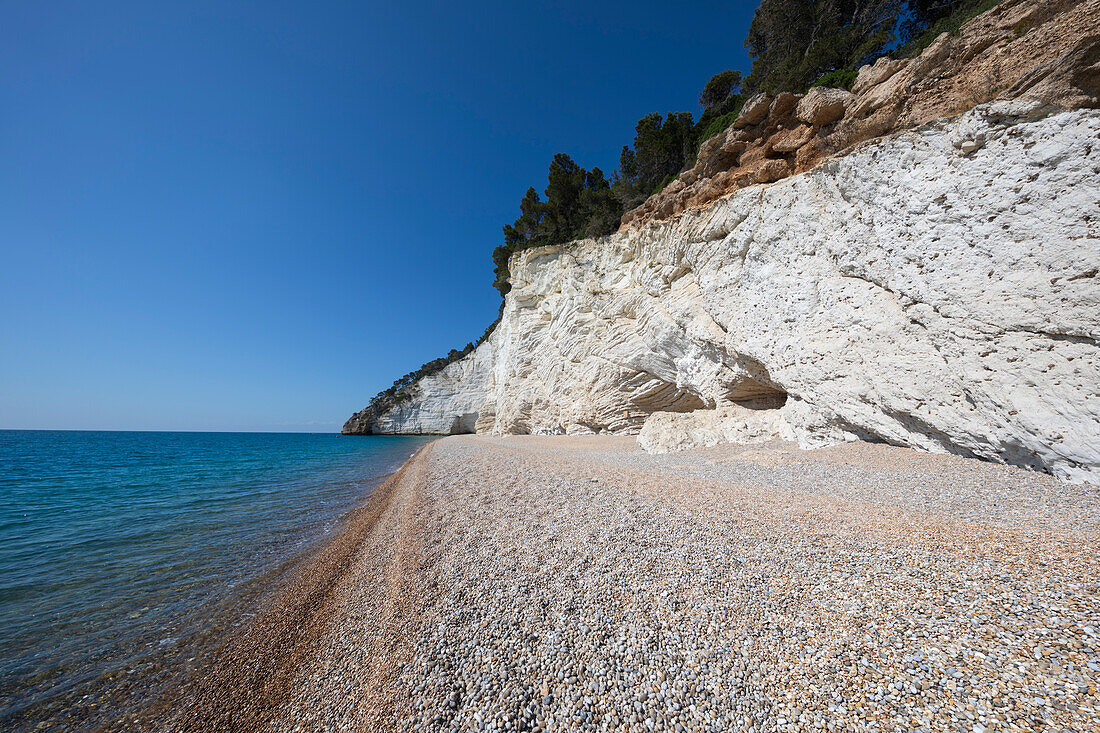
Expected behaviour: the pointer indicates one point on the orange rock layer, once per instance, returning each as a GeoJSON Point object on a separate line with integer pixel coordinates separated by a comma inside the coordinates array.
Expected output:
{"type": "Point", "coordinates": [1048, 51]}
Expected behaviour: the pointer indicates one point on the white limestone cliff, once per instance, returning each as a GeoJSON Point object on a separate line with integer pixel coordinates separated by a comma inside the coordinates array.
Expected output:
{"type": "Point", "coordinates": [445, 403]}
{"type": "Point", "coordinates": [935, 288]}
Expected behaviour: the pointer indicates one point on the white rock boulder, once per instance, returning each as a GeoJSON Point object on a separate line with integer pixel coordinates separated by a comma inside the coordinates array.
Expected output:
{"type": "Point", "coordinates": [665, 432]}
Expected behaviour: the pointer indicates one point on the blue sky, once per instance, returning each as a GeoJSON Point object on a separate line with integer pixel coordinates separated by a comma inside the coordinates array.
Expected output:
{"type": "Point", "coordinates": [254, 216]}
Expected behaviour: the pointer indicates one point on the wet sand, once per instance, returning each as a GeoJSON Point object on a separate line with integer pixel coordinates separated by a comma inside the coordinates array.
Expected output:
{"type": "Point", "coordinates": [555, 583]}
{"type": "Point", "coordinates": [241, 682]}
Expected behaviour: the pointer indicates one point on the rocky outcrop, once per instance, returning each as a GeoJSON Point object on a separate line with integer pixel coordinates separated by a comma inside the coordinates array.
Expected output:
{"type": "Point", "coordinates": [1021, 49]}
{"type": "Point", "coordinates": [936, 288]}
{"type": "Point", "coordinates": [822, 106]}
{"type": "Point", "coordinates": [757, 422]}
{"type": "Point", "coordinates": [445, 403]}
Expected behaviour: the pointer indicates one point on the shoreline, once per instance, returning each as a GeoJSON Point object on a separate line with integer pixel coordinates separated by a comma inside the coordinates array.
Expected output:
{"type": "Point", "coordinates": [196, 535]}
{"type": "Point", "coordinates": [251, 667]}
{"type": "Point", "coordinates": [557, 583]}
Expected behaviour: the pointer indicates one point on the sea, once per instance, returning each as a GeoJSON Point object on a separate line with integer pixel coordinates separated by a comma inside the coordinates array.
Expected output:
{"type": "Point", "coordinates": [121, 553]}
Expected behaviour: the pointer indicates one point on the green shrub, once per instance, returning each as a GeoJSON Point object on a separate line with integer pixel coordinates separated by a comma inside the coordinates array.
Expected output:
{"type": "Point", "coordinates": [707, 129]}
{"type": "Point", "coordinates": [841, 79]}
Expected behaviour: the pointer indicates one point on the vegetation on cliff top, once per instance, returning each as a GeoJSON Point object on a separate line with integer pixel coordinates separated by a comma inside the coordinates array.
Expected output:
{"type": "Point", "coordinates": [794, 45]}
{"type": "Point", "coordinates": [584, 203]}
{"type": "Point", "coordinates": [398, 391]}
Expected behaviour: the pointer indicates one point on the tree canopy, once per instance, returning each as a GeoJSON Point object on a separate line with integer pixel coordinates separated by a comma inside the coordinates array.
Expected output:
{"type": "Point", "coordinates": [719, 90]}
{"type": "Point", "coordinates": [662, 148]}
{"type": "Point", "coordinates": [579, 203]}
{"type": "Point", "coordinates": [793, 42]}
{"type": "Point", "coordinates": [721, 101]}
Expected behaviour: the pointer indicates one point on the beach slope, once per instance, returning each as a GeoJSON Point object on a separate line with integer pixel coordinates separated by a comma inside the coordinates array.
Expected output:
{"type": "Point", "coordinates": [527, 583]}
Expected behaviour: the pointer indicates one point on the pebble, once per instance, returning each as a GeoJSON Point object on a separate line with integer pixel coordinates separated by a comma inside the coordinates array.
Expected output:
{"type": "Point", "coordinates": [552, 583]}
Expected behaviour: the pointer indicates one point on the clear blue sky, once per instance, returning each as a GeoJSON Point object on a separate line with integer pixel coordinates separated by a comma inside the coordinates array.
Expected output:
{"type": "Point", "coordinates": [253, 216]}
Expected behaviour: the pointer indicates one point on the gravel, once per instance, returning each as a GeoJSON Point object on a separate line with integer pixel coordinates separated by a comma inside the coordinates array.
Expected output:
{"type": "Point", "coordinates": [553, 583]}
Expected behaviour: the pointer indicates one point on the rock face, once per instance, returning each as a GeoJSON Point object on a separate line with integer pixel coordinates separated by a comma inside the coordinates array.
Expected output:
{"type": "Point", "coordinates": [665, 432]}
{"type": "Point", "coordinates": [822, 106]}
{"type": "Point", "coordinates": [1020, 49]}
{"type": "Point", "coordinates": [935, 288]}
{"type": "Point", "coordinates": [447, 403]}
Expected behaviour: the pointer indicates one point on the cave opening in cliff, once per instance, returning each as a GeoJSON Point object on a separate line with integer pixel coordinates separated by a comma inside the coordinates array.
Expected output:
{"type": "Point", "coordinates": [757, 391]}
{"type": "Point", "coordinates": [464, 424]}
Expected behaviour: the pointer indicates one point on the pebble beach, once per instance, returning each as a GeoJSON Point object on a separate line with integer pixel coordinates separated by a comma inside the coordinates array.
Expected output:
{"type": "Point", "coordinates": [561, 583]}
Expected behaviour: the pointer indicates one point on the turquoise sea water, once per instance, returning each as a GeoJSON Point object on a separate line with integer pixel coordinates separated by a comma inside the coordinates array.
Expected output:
{"type": "Point", "coordinates": [119, 549]}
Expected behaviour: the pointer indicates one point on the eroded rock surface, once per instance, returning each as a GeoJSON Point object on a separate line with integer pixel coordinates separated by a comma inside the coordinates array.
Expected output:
{"type": "Point", "coordinates": [918, 290]}
{"type": "Point", "coordinates": [880, 264]}
{"type": "Point", "coordinates": [1046, 51]}
{"type": "Point", "coordinates": [667, 432]}
{"type": "Point", "coordinates": [446, 403]}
